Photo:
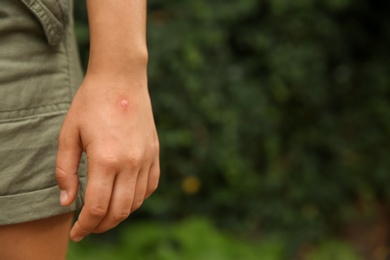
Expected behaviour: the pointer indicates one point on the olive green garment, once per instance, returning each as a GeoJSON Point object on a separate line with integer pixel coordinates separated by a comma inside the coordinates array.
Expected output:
{"type": "Point", "coordinates": [39, 74]}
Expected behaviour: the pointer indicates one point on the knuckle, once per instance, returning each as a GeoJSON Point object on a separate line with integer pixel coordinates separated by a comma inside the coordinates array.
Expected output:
{"type": "Point", "coordinates": [97, 211]}
{"type": "Point", "coordinates": [156, 177]}
{"type": "Point", "coordinates": [82, 228]}
{"type": "Point", "coordinates": [120, 216]}
{"type": "Point", "coordinates": [157, 174]}
{"type": "Point", "coordinates": [61, 174]}
{"type": "Point", "coordinates": [134, 159]}
{"type": "Point", "coordinates": [152, 189]}
{"type": "Point", "coordinates": [136, 205]}
{"type": "Point", "coordinates": [109, 162]}
{"type": "Point", "coordinates": [156, 146]}
{"type": "Point", "coordinates": [99, 230]}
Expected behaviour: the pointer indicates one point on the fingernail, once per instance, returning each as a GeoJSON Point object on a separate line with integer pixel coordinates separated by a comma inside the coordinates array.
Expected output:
{"type": "Point", "coordinates": [77, 239]}
{"type": "Point", "coordinates": [63, 197]}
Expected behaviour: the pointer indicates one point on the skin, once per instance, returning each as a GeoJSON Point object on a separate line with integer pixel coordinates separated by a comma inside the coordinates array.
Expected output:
{"type": "Point", "coordinates": [110, 119]}
{"type": "Point", "coordinates": [44, 239]}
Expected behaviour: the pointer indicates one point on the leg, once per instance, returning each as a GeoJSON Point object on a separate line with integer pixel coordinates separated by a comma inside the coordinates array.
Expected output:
{"type": "Point", "coordinates": [44, 239]}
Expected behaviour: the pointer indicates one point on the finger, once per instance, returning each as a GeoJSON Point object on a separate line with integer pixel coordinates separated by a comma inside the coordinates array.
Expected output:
{"type": "Point", "coordinates": [67, 163]}
{"type": "Point", "coordinates": [153, 178]}
{"type": "Point", "coordinates": [121, 201]}
{"type": "Point", "coordinates": [140, 189]}
{"type": "Point", "coordinates": [97, 199]}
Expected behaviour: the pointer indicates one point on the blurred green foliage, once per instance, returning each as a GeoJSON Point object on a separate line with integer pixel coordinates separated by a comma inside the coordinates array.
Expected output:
{"type": "Point", "coordinates": [193, 239]}
{"type": "Point", "coordinates": [273, 115]}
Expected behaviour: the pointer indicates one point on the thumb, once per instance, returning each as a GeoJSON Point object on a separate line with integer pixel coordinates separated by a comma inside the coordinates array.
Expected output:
{"type": "Point", "coordinates": [67, 163]}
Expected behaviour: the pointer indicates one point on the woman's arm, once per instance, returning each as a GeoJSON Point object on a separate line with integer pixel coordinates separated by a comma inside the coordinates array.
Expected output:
{"type": "Point", "coordinates": [111, 120]}
{"type": "Point", "coordinates": [118, 41]}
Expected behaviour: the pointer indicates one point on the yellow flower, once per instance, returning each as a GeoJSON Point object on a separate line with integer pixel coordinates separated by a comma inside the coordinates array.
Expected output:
{"type": "Point", "coordinates": [191, 184]}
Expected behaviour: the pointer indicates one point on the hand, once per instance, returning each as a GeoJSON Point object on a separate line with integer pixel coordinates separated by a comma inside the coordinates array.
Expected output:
{"type": "Point", "coordinates": [112, 122]}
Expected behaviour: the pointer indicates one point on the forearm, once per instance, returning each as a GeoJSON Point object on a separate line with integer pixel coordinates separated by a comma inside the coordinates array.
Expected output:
{"type": "Point", "coordinates": [111, 119]}
{"type": "Point", "coordinates": [118, 37]}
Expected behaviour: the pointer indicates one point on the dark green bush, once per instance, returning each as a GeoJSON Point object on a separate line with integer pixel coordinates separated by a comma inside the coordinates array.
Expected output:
{"type": "Point", "coordinates": [273, 116]}
{"type": "Point", "coordinates": [193, 239]}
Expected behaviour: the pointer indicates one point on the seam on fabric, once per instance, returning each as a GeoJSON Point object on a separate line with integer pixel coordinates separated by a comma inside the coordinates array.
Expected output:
{"type": "Point", "coordinates": [22, 118]}
{"type": "Point", "coordinates": [45, 20]}
{"type": "Point", "coordinates": [31, 108]}
{"type": "Point", "coordinates": [69, 76]}
{"type": "Point", "coordinates": [33, 112]}
{"type": "Point", "coordinates": [23, 193]}
{"type": "Point", "coordinates": [63, 15]}
{"type": "Point", "coordinates": [48, 22]}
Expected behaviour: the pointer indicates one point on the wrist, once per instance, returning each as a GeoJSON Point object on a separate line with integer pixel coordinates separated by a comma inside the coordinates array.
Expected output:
{"type": "Point", "coordinates": [118, 63]}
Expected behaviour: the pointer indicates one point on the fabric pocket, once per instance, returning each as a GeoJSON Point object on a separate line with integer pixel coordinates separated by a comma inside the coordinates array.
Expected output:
{"type": "Point", "coordinates": [53, 15]}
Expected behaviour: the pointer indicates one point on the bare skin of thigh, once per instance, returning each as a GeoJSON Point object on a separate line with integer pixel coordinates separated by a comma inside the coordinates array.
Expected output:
{"type": "Point", "coordinates": [44, 239]}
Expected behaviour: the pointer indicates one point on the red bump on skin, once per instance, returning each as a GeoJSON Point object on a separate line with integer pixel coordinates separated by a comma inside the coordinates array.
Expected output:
{"type": "Point", "coordinates": [124, 103]}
